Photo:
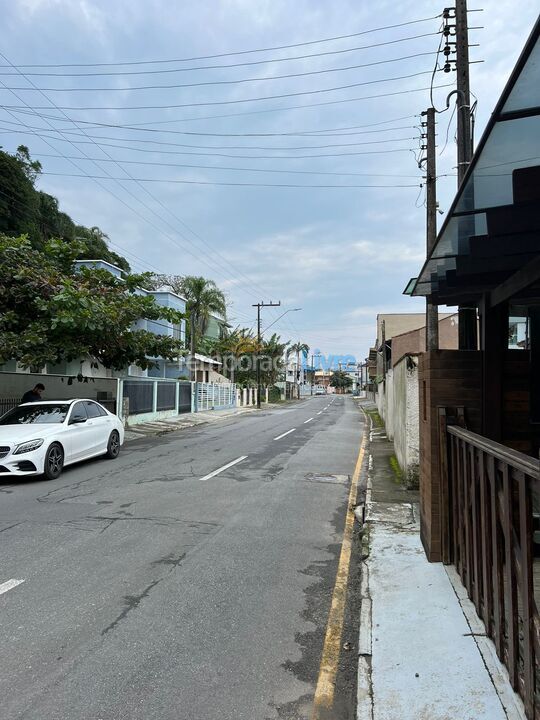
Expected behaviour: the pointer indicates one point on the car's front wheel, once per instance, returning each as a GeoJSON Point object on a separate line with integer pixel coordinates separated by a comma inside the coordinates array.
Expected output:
{"type": "Point", "coordinates": [113, 446]}
{"type": "Point", "coordinates": [54, 462]}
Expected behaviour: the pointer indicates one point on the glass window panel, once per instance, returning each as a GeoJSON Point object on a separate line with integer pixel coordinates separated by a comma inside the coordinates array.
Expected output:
{"type": "Point", "coordinates": [455, 239]}
{"type": "Point", "coordinates": [526, 91]}
{"type": "Point", "coordinates": [512, 144]}
{"type": "Point", "coordinates": [437, 267]}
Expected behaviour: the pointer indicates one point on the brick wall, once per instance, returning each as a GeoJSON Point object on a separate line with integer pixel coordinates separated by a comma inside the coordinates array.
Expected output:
{"type": "Point", "coordinates": [447, 378]}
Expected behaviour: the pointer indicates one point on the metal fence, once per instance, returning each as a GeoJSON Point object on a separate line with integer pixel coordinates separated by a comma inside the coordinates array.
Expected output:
{"type": "Point", "coordinates": [184, 397]}
{"type": "Point", "coordinates": [150, 396]}
{"type": "Point", "coordinates": [140, 394]}
{"type": "Point", "coordinates": [7, 404]}
{"type": "Point", "coordinates": [166, 396]}
{"type": "Point", "coordinates": [214, 396]}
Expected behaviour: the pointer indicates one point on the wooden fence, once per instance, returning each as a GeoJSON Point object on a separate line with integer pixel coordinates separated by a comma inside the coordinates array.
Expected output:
{"type": "Point", "coordinates": [490, 539]}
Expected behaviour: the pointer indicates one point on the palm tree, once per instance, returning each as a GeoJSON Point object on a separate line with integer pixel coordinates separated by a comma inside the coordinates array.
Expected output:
{"type": "Point", "coordinates": [203, 297]}
{"type": "Point", "coordinates": [273, 349]}
{"type": "Point", "coordinates": [298, 348]}
{"type": "Point", "coordinates": [236, 344]}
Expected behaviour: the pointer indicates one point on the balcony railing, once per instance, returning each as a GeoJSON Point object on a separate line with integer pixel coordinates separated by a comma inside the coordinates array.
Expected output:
{"type": "Point", "coordinates": [492, 494]}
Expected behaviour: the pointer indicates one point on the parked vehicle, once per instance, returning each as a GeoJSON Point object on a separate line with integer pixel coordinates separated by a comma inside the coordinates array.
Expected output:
{"type": "Point", "coordinates": [42, 438]}
{"type": "Point", "coordinates": [320, 391]}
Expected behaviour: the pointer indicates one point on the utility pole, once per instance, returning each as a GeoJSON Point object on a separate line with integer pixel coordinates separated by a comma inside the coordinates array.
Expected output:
{"type": "Point", "coordinates": [432, 311]}
{"type": "Point", "coordinates": [259, 306]}
{"type": "Point", "coordinates": [313, 356]}
{"type": "Point", "coordinates": [468, 339]}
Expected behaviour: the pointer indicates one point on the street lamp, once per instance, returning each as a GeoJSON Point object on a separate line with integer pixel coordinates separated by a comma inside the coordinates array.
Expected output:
{"type": "Point", "coordinates": [279, 318]}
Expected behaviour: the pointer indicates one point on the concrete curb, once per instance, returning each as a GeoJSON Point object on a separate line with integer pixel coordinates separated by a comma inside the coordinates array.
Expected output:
{"type": "Point", "coordinates": [364, 686]}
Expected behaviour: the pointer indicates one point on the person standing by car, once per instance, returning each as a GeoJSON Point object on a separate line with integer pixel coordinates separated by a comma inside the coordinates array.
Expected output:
{"type": "Point", "coordinates": [33, 395]}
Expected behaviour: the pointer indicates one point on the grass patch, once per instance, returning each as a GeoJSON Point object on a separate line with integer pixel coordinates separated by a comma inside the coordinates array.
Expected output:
{"type": "Point", "coordinates": [398, 472]}
{"type": "Point", "coordinates": [376, 419]}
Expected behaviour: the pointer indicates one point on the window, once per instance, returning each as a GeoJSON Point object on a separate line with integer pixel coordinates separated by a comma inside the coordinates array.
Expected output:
{"type": "Point", "coordinates": [93, 410]}
{"type": "Point", "coordinates": [518, 329]}
{"type": "Point", "coordinates": [78, 413]}
{"type": "Point", "coordinates": [36, 413]}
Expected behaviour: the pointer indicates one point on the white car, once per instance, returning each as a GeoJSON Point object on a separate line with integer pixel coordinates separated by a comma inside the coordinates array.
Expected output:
{"type": "Point", "coordinates": [41, 438]}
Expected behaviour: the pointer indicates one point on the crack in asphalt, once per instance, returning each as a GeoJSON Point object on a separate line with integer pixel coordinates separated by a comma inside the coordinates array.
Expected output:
{"type": "Point", "coordinates": [132, 602]}
{"type": "Point", "coordinates": [10, 526]}
{"type": "Point", "coordinates": [173, 560]}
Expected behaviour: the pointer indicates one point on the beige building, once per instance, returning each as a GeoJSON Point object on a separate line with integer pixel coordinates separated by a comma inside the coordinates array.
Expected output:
{"type": "Point", "coordinates": [414, 341]}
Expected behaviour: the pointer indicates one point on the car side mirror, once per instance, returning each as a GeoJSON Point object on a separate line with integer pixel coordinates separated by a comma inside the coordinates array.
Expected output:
{"type": "Point", "coordinates": [77, 420]}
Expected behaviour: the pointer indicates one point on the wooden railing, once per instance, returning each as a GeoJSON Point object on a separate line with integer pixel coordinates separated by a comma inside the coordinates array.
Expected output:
{"type": "Point", "coordinates": [490, 541]}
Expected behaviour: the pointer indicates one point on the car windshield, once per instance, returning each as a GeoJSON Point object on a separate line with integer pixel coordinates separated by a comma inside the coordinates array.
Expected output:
{"type": "Point", "coordinates": [36, 414]}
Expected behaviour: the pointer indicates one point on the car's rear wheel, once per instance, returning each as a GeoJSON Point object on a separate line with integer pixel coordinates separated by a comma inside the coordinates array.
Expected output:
{"type": "Point", "coordinates": [54, 461]}
{"type": "Point", "coordinates": [113, 446]}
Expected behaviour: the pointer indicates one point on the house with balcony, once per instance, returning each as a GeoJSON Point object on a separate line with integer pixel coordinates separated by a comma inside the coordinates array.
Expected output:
{"type": "Point", "coordinates": [480, 408]}
{"type": "Point", "coordinates": [165, 298]}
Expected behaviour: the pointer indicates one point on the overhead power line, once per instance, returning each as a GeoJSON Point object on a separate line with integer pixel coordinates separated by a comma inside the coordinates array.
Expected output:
{"type": "Point", "coordinates": [231, 53]}
{"type": "Point", "coordinates": [232, 184]}
{"type": "Point", "coordinates": [331, 132]}
{"type": "Point", "coordinates": [228, 168]}
{"type": "Point", "coordinates": [248, 147]}
{"type": "Point", "coordinates": [238, 81]}
{"type": "Point", "coordinates": [305, 106]}
{"type": "Point", "coordinates": [221, 154]}
{"type": "Point", "coordinates": [211, 103]}
{"type": "Point", "coordinates": [228, 65]}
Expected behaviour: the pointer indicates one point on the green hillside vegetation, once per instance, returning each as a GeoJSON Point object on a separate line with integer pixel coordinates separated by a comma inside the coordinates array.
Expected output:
{"type": "Point", "coordinates": [25, 210]}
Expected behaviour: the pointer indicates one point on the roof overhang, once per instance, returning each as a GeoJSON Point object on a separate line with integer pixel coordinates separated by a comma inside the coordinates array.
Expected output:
{"type": "Point", "coordinates": [490, 240]}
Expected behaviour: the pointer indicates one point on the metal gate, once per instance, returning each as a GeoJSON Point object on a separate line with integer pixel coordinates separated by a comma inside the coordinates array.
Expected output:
{"type": "Point", "coordinates": [184, 397]}
{"type": "Point", "coordinates": [215, 396]}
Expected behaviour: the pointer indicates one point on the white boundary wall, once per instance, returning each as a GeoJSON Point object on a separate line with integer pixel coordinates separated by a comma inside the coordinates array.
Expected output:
{"type": "Point", "coordinates": [398, 404]}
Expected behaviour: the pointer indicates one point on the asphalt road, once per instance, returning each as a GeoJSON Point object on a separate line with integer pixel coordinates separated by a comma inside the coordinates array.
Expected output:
{"type": "Point", "coordinates": [152, 591]}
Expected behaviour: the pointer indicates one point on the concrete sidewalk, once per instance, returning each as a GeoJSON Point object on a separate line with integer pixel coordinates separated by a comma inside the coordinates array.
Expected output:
{"type": "Point", "coordinates": [186, 420]}
{"type": "Point", "coordinates": [423, 653]}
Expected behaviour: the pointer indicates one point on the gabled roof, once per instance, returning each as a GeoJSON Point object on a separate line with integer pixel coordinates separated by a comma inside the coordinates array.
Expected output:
{"type": "Point", "coordinates": [491, 230]}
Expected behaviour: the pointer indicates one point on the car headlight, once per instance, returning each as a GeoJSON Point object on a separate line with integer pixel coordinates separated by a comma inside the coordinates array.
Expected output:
{"type": "Point", "coordinates": [28, 446]}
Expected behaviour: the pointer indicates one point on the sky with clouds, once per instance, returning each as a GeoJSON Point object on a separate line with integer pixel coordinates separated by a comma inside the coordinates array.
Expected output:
{"type": "Point", "coordinates": [205, 187]}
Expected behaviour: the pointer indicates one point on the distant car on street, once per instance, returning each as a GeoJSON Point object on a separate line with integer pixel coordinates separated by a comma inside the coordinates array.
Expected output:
{"type": "Point", "coordinates": [41, 438]}
{"type": "Point", "coordinates": [320, 391]}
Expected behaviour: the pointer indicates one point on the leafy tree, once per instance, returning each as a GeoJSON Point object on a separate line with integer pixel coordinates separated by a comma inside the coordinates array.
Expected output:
{"type": "Point", "coordinates": [31, 168]}
{"type": "Point", "coordinates": [26, 210]}
{"type": "Point", "coordinates": [340, 380]}
{"type": "Point", "coordinates": [272, 353]}
{"type": "Point", "coordinates": [94, 247]}
{"type": "Point", "coordinates": [19, 204]}
{"type": "Point", "coordinates": [50, 313]}
{"type": "Point", "coordinates": [52, 222]}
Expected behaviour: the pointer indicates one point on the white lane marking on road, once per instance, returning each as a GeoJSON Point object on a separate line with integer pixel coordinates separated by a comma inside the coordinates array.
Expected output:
{"type": "Point", "coordinates": [306, 421]}
{"type": "Point", "coordinates": [320, 412]}
{"type": "Point", "coordinates": [283, 435]}
{"type": "Point", "coordinates": [224, 467]}
{"type": "Point", "coordinates": [9, 585]}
